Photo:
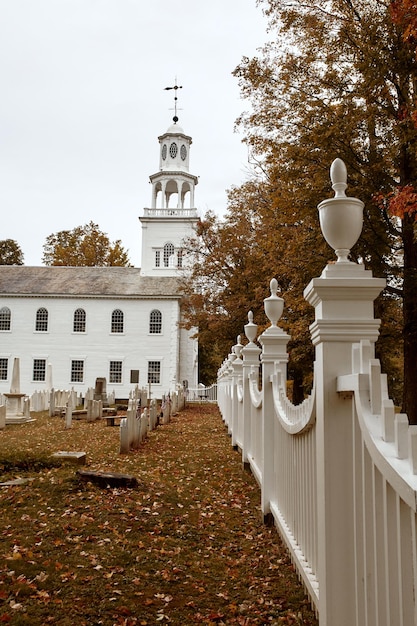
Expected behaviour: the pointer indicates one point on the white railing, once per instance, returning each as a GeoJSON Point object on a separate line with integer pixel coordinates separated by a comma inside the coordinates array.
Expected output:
{"type": "Point", "coordinates": [170, 212]}
{"type": "Point", "coordinates": [202, 393]}
{"type": "Point", "coordinates": [338, 473]}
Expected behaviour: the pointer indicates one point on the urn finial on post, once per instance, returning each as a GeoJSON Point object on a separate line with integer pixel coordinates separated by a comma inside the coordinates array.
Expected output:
{"type": "Point", "coordinates": [274, 305]}
{"type": "Point", "coordinates": [238, 347]}
{"type": "Point", "coordinates": [251, 329]}
{"type": "Point", "coordinates": [341, 217]}
{"type": "Point", "coordinates": [338, 176]}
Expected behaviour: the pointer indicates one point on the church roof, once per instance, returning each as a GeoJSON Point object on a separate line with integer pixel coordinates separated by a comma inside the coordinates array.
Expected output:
{"type": "Point", "coordinates": [122, 282]}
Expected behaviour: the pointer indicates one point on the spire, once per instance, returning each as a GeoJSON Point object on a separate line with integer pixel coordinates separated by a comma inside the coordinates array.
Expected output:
{"type": "Point", "coordinates": [175, 88]}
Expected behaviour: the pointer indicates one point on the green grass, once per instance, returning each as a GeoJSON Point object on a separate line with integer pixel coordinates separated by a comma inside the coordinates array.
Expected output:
{"type": "Point", "coordinates": [186, 547]}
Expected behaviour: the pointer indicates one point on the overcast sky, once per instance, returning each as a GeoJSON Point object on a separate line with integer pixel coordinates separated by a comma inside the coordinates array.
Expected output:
{"type": "Point", "coordinates": [83, 102]}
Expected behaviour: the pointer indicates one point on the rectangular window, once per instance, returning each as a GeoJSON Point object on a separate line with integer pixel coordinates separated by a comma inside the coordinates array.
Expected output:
{"type": "Point", "coordinates": [115, 372]}
{"type": "Point", "coordinates": [134, 377]}
{"type": "Point", "coordinates": [39, 369]}
{"type": "Point", "coordinates": [154, 372]}
{"type": "Point", "coordinates": [77, 371]}
{"type": "Point", "coordinates": [157, 258]}
{"type": "Point", "coordinates": [3, 368]}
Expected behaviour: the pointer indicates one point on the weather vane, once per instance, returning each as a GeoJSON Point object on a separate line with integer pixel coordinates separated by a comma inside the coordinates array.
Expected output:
{"type": "Point", "coordinates": [175, 87]}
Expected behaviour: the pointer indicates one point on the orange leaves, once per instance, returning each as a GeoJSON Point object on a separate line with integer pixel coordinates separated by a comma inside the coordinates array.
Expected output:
{"type": "Point", "coordinates": [404, 13]}
{"type": "Point", "coordinates": [83, 246]}
{"type": "Point", "coordinates": [403, 202]}
{"type": "Point", "coordinates": [214, 616]}
{"type": "Point", "coordinates": [106, 558]}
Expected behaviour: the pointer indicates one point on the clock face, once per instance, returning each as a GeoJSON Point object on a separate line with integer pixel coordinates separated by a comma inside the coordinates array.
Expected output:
{"type": "Point", "coordinates": [164, 151]}
{"type": "Point", "coordinates": [183, 152]}
{"type": "Point", "coordinates": [173, 149]}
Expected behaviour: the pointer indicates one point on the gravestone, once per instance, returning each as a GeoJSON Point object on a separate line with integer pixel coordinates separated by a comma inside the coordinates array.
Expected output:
{"type": "Point", "coordinates": [14, 411]}
{"type": "Point", "coordinates": [100, 390]}
{"type": "Point", "coordinates": [108, 479]}
{"type": "Point", "coordinates": [68, 416]}
{"type": "Point", "coordinates": [78, 458]}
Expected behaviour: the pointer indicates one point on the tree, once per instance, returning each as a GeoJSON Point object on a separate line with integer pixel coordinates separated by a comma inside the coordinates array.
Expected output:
{"type": "Point", "coordinates": [339, 79]}
{"type": "Point", "coordinates": [83, 246]}
{"type": "Point", "coordinates": [235, 260]}
{"type": "Point", "coordinates": [10, 252]}
{"type": "Point", "coordinates": [331, 83]}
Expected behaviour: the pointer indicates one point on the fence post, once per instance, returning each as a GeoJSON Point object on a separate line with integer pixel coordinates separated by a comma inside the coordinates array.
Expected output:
{"type": "Point", "coordinates": [251, 361]}
{"type": "Point", "coordinates": [343, 298]}
{"type": "Point", "coordinates": [236, 379]}
{"type": "Point", "coordinates": [230, 391]}
{"type": "Point", "coordinates": [274, 355]}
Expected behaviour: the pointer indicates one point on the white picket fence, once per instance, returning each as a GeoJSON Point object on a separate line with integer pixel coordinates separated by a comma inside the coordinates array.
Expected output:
{"type": "Point", "coordinates": [338, 473]}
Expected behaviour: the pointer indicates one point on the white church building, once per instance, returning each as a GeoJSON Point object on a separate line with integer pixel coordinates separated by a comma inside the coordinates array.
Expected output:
{"type": "Point", "coordinates": [121, 323]}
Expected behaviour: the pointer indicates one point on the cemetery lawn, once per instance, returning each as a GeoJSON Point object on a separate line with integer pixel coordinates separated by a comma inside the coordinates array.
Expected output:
{"type": "Point", "coordinates": [186, 546]}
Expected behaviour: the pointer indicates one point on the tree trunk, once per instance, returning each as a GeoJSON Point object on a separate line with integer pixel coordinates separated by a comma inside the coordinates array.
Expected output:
{"type": "Point", "coordinates": [410, 319]}
{"type": "Point", "coordinates": [297, 388]}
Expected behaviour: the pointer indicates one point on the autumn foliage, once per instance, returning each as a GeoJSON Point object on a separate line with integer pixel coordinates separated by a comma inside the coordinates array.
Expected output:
{"type": "Point", "coordinates": [403, 201]}
{"type": "Point", "coordinates": [334, 79]}
{"type": "Point", "coordinates": [10, 252]}
{"type": "Point", "coordinates": [83, 246]}
{"type": "Point", "coordinates": [404, 13]}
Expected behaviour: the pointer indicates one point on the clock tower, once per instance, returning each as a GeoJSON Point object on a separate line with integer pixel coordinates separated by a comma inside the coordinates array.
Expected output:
{"type": "Point", "coordinates": [172, 215]}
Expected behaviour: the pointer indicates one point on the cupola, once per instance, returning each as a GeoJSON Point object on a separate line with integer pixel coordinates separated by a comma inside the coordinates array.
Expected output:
{"type": "Point", "coordinates": [172, 215]}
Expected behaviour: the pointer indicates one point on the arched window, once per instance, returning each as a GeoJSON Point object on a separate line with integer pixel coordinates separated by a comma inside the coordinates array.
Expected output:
{"type": "Point", "coordinates": [5, 318]}
{"type": "Point", "coordinates": [117, 321]}
{"type": "Point", "coordinates": [155, 322]}
{"type": "Point", "coordinates": [168, 253]}
{"type": "Point", "coordinates": [41, 320]}
{"type": "Point", "coordinates": [180, 255]}
{"type": "Point", "coordinates": [79, 321]}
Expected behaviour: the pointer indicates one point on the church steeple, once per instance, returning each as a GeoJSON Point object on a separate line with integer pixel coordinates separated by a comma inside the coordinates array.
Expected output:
{"type": "Point", "coordinates": [172, 215]}
{"type": "Point", "coordinates": [173, 176]}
